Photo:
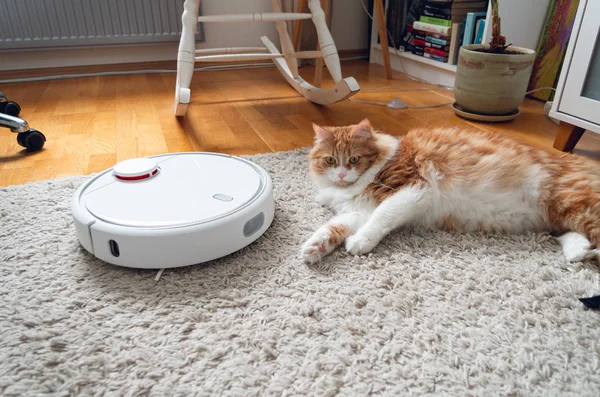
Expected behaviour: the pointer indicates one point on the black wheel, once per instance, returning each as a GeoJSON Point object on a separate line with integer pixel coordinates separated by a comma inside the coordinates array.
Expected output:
{"type": "Point", "coordinates": [11, 108]}
{"type": "Point", "coordinates": [32, 140]}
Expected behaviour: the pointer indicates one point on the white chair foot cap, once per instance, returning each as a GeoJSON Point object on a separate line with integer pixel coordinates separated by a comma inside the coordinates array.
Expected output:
{"type": "Point", "coordinates": [185, 95]}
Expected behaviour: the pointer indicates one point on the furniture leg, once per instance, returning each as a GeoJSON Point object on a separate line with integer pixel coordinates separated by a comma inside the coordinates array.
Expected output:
{"type": "Point", "coordinates": [326, 43]}
{"type": "Point", "coordinates": [381, 22]}
{"type": "Point", "coordinates": [319, 61]}
{"type": "Point", "coordinates": [285, 60]}
{"type": "Point", "coordinates": [567, 137]}
{"type": "Point", "coordinates": [287, 47]}
{"type": "Point", "coordinates": [186, 55]}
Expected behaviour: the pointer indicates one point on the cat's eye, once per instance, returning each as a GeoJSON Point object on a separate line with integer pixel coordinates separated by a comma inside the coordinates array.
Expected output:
{"type": "Point", "coordinates": [330, 160]}
{"type": "Point", "coordinates": [354, 160]}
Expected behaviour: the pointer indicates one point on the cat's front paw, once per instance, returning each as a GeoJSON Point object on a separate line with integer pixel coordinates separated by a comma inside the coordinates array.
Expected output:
{"type": "Point", "coordinates": [359, 244]}
{"type": "Point", "coordinates": [316, 247]}
{"type": "Point", "coordinates": [323, 199]}
{"type": "Point", "coordinates": [312, 253]}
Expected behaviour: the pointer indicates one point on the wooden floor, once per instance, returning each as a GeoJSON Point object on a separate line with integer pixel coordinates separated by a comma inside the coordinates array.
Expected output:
{"type": "Point", "coordinates": [91, 123]}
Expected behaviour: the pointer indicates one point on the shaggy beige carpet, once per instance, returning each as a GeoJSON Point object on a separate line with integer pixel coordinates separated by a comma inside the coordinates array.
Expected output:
{"type": "Point", "coordinates": [426, 313]}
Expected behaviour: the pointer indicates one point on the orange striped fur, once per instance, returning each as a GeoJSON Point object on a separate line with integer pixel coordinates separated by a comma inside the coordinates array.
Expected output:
{"type": "Point", "coordinates": [454, 179]}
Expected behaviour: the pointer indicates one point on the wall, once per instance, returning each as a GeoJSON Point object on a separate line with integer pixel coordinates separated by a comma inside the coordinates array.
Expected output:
{"type": "Point", "coordinates": [349, 25]}
{"type": "Point", "coordinates": [349, 30]}
{"type": "Point", "coordinates": [521, 21]}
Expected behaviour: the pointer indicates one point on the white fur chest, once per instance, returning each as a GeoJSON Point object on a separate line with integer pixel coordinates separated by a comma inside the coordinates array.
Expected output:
{"type": "Point", "coordinates": [486, 205]}
{"type": "Point", "coordinates": [341, 201]}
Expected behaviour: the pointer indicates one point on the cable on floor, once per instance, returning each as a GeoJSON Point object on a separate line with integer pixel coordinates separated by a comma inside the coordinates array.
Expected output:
{"type": "Point", "coordinates": [245, 66]}
{"type": "Point", "coordinates": [396, 103]}
{"type": "Point", "coordinates": [128, 72]}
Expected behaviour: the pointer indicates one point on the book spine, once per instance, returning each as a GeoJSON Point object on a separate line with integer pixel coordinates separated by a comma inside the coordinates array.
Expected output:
{"type": "Point", "coordinates": [471, 20]}
{"type": "Point", "coordinates": [480, 29]}
{"type": "Point", "coordinates": [434, 51]}
{"type": "Point", "coordinates": [455, 43]}
{"type": "Point", "coordinates": [417, 50]}
{"type": "Point", "coordinates": [435, 21]}
{"type": "Point", "coordinates": [419, 42]}
{"type": "Point", "coordinates": [442, 47]}
{"type": "Point", "coordinates": [419, 35]}
{"type": "Point", "coordinates": [436, 40]}
{"type": "Point", "coordinates": [435, 8]}
{"type": "Point", "coordinates": [436, 13]}
{"type": "Point", "coordinates": [435, 57]}
{"type": "Point", "coordinates": [431, 28]}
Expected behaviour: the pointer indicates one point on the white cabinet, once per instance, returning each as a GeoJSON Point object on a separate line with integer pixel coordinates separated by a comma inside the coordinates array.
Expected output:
{"type": "Point", "coordinates": [577, 100]}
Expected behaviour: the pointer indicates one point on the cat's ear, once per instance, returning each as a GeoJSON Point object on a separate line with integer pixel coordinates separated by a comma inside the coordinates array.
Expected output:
{"type": "Point", "coordinates": [363, 130]}
{"type": "Point", "coordinates": [321, 134]}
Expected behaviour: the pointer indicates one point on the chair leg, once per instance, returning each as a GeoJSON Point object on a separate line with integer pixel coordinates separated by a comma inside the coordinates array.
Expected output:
{"type": "Point", "coordinates": [326, 43]}
{"type": "Point", "coordinates": [567, 137]}
{"type": "Point", "coordinates": [319, 61]}
{"type": "Point", "coordinates": [186, 55]}
{"type": "Point", "coordinates": [287, 47]}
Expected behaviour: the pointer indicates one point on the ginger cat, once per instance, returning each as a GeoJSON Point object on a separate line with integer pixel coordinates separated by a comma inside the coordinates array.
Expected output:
{"type": "Point", "coordinates": [453, 179]}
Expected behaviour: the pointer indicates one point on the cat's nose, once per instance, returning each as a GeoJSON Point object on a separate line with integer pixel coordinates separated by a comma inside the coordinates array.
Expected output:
{"type": "Point", "coordinates": [341, 175]}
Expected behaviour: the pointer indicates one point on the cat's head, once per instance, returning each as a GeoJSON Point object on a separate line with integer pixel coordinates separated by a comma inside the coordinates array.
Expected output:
{"type": "Point", "coordinates": [342, 154]}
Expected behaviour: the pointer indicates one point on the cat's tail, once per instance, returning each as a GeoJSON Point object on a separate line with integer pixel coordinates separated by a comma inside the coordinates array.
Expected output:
{"type": "Point", "coordinates": [575, 201]}
{"type": "Point", "coordinates": [588, 225]}
{"type": "Point", "coordinates": [576, 208]}
{"type": "Point", "coordinates": [594, 236]}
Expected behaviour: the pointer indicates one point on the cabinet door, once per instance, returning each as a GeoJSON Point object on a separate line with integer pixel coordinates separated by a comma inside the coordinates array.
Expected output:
{"type": "Point", "coordinates": [581, 96]}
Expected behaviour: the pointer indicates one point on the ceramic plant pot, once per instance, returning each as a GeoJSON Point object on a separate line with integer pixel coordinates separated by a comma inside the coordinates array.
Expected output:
{"type": "Point", "coordinates": [492, 84]}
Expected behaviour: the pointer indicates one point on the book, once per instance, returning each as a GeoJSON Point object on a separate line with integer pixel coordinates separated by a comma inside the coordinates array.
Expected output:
{"type": "Point", "coordinates": [418, 50]}
{"type": "Point", "coordinates": [479, 31]}
{"type": "Point", "coordinates": [433, 51]}
{"type": "Point", "coordinates": [471, 5]}
{"type": "Point", "coordinates": [429, 27]}
{"type": "Point", "coordinates": [452, 14]}
{"type": "Point", "coordinates": [455, 42]}
{"type": "Point", "coordinates": [437, 12]}
{"type": "Point", "coordinates": [436, 40]}
{"type": "Point", "coordinates": [436, 57]}
{"type": "Point", "coordinates": [435, 21]}
{"type": "Point", "coordinates": [407, 12]}
{"type": "Point", "coordinates": [470, 23]}
{"type": "Point", "coordinates": [460, 3]}
{"type": "Point", "coordinates": [443, 47]}
{"type": "Point", "coordinates": [419, 34]}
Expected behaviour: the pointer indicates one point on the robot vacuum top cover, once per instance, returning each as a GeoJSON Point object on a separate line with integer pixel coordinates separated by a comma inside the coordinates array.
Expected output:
{"type": "Point", "coordinates": [173, 210]}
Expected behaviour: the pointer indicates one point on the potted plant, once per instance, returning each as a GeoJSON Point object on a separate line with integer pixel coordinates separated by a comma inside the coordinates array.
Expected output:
{"type": "Point", "coordinates": [492, 79]}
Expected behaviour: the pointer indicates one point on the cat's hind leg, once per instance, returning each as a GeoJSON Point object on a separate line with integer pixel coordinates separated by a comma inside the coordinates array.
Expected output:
{"type": "Point", "coordinates": [402, 207]}
{"type": "Point", "coordinates": [331, 235]}
{"type": "Point", "coordinates": [576, 247]}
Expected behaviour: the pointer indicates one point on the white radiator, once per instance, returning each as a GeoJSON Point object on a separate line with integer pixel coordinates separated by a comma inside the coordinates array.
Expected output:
{"type": "Point", "coordinates": [66, 23]}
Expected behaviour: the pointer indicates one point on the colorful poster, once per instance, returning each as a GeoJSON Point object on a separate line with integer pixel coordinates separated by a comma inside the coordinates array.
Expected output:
{"type": "Point", "coordinates": [552, 47]}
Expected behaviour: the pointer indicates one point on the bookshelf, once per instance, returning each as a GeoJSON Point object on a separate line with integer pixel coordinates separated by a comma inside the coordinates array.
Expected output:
{"type": "Point", "coordinates": [522, 23]}
{"type": "Point", "coordinates": [416, 66]}
{"type": "Point", "coordinates": [408, 55]}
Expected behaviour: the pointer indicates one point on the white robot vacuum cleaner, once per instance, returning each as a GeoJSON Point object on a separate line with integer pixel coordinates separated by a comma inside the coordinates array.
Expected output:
{"type": "Point", "coordinates": [173, 210]}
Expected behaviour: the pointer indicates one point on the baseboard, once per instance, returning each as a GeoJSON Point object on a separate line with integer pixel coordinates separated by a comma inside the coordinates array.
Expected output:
{"type": "Point", "coordinates": [107, 68]}
{"type": "Point", "coordinates": [115, 66]}
{"type": "Point", "coordinates": [73, 57]}
{"type": "Point", "coordinates": [354, 54]}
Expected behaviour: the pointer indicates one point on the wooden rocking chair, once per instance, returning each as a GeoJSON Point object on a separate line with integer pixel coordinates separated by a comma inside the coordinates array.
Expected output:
{"type": "Point", "coordinates": [286, 62]}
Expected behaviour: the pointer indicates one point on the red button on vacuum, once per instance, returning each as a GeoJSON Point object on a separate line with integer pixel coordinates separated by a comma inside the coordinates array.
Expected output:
{"type": "Point", "coordinates": [135, 169]}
